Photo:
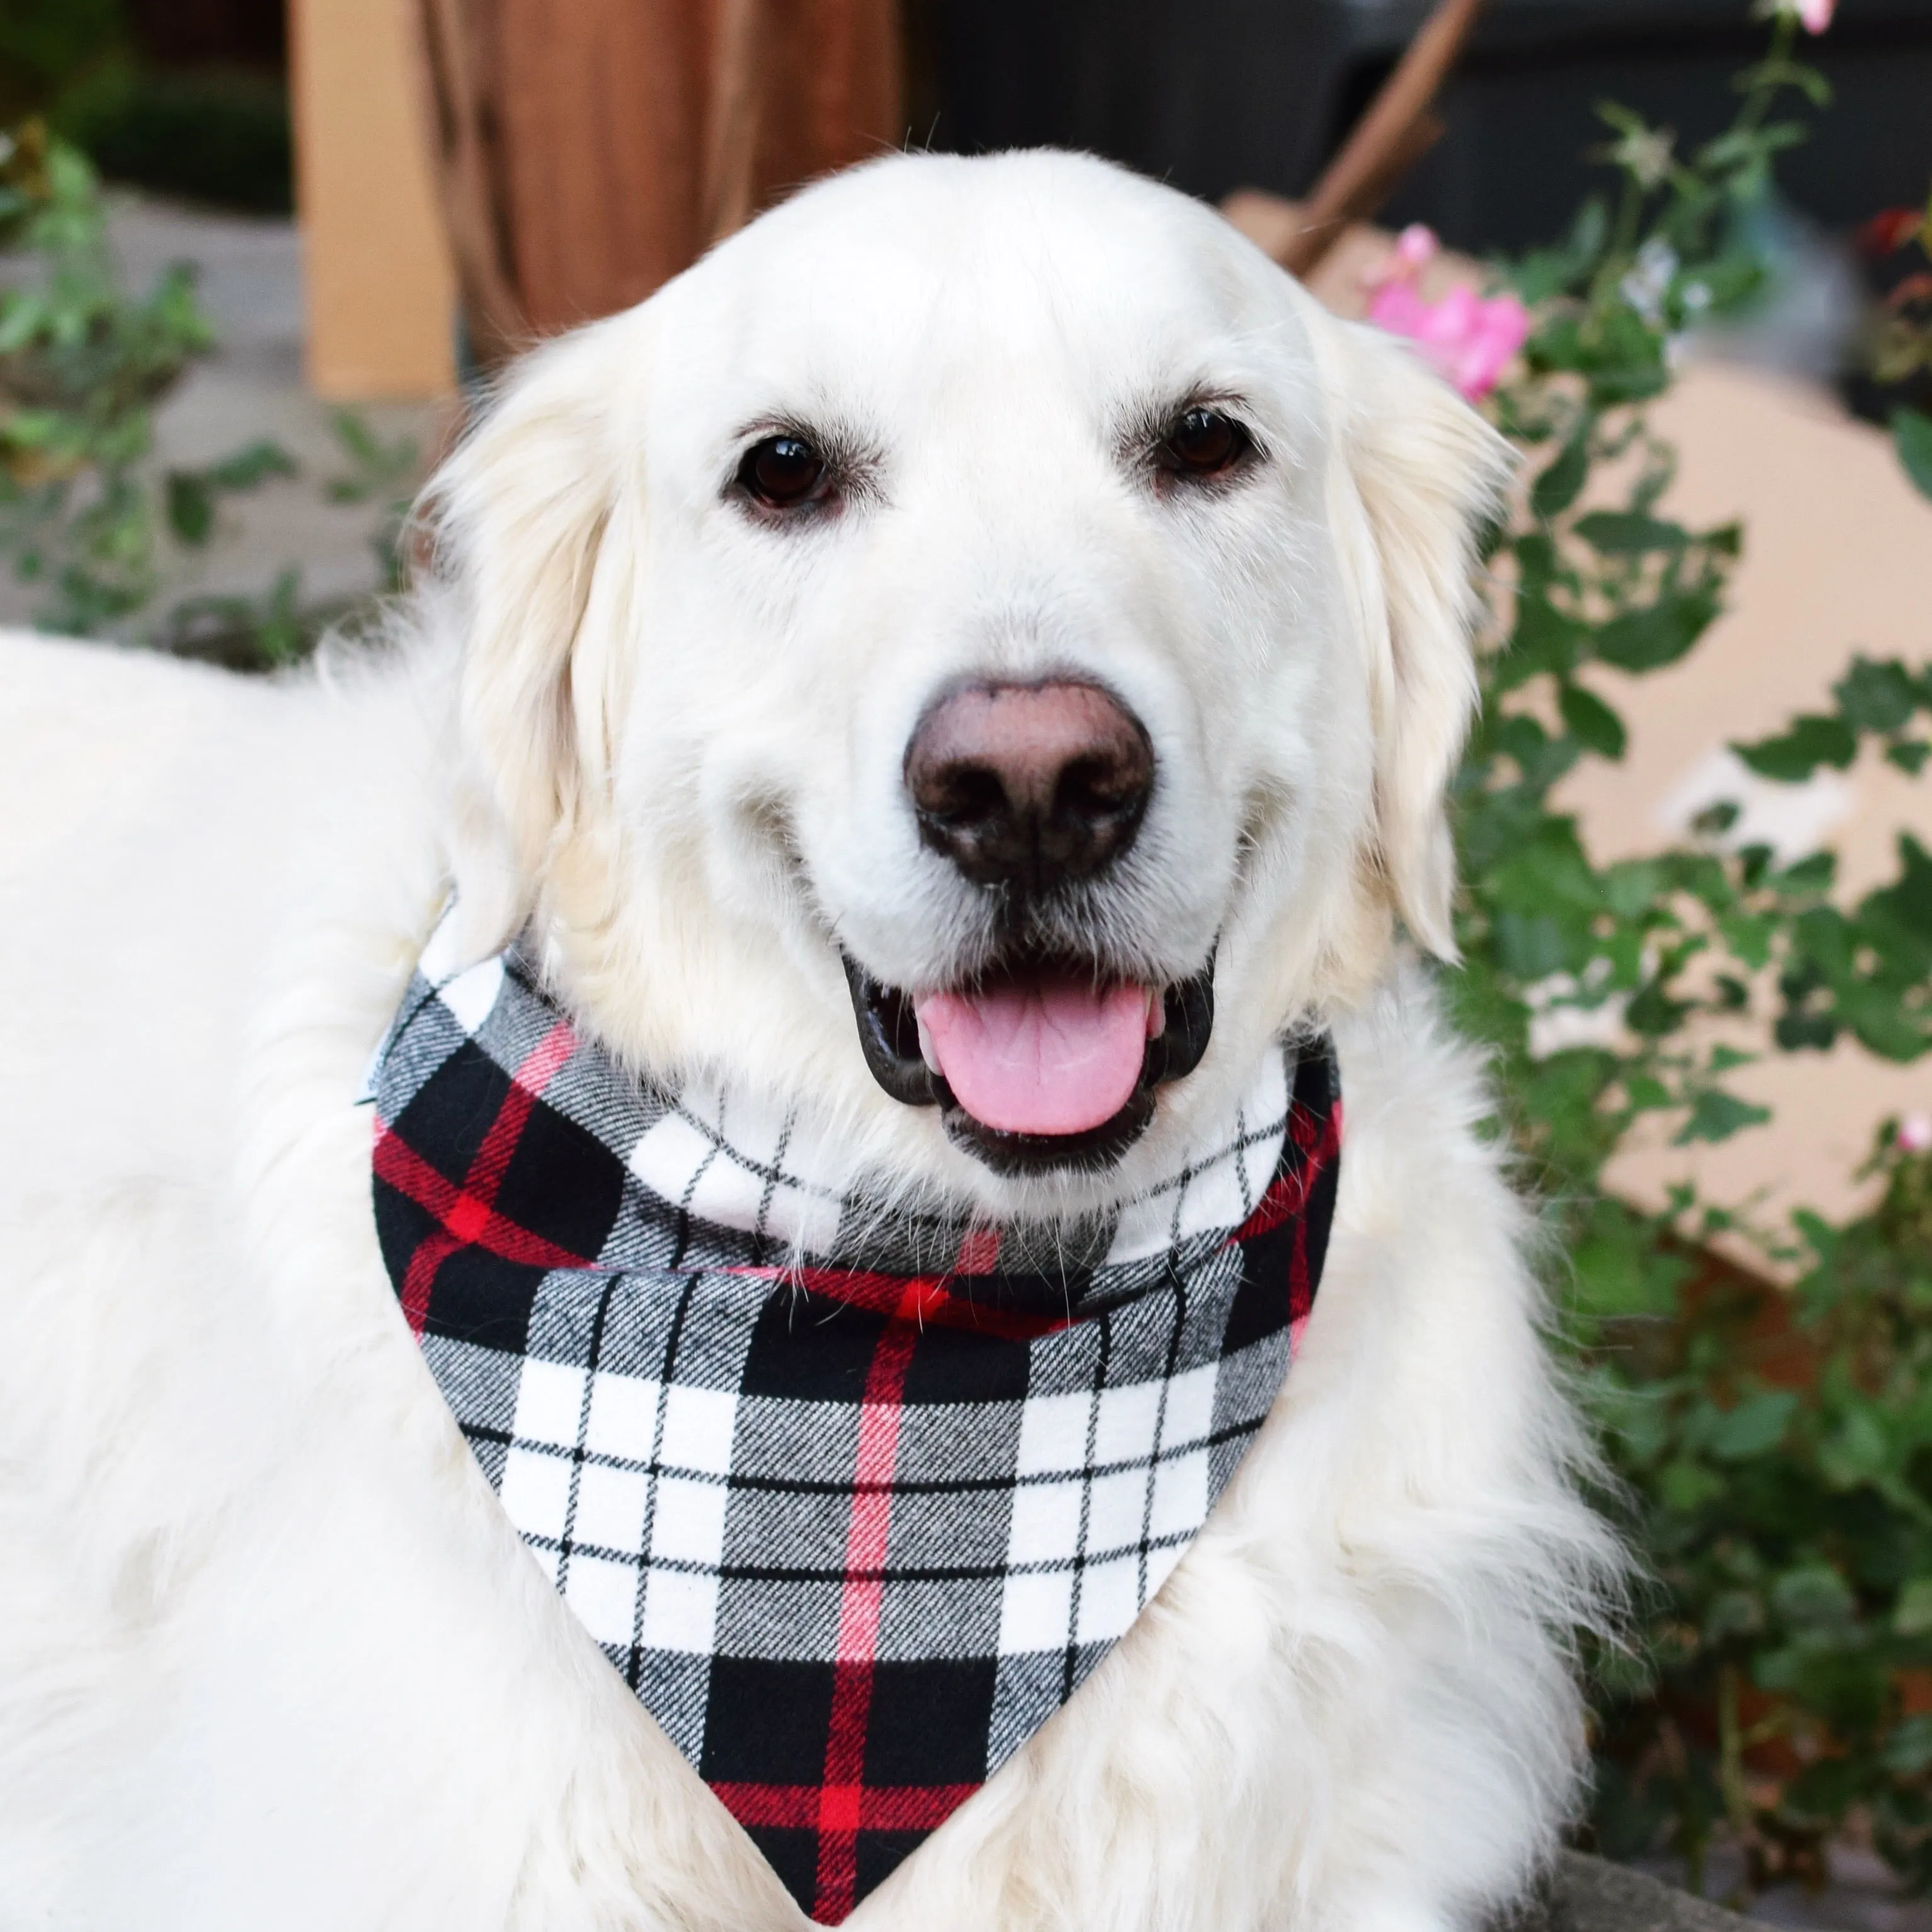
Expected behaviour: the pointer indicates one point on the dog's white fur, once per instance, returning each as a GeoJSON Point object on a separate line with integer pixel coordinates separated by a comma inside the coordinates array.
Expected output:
{"type": "Point", "coordinates": [270, 1655]}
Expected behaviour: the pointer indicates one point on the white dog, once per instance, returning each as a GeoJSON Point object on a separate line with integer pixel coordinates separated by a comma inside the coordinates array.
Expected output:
{"type": "Point", "coordinates": [966, 671]}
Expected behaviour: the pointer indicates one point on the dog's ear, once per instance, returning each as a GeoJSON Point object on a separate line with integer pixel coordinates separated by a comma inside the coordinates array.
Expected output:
{"type": "Point", "coordinates": [1417, 476]}
{"type": "Point", "coordinates": [519, 514]}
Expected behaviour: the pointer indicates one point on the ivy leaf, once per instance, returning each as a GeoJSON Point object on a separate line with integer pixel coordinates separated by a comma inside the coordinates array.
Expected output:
{"type": "Point", "coordinates": [1627, 533]}
{"type": "Point", "coordinates": [1716, 1115]}
{"type": "Point", "coordinates": [1906, 904]}
{"type": "Point", "coordinates": [250, 466]}
{"type": "Point", "coordinates": [1757, 1424]}
{"type": "Point", "coordinates": [1910, 756]}
{"type": "Point", "coordinates": [1812, 741]}
{"type": "Point", "coordinates": [1912, 1616]}
{"type": "Point", "coordinates": [1908, 1751]}
{"type": "Point", "coordinates": [190, 506]}
{"type": "Point", "coordinates": [1545, 639]}
{"type": "Point", "coordinates": [1648, 640]}
{"type": "Point", "coordinates": [1592, 721]}
{"type": "Point", "coordinates": [1528, 947]}
{"type": "Point", "coordinates": [1875, 696]}
{"type": "Point", "coordinates": [1557, 487]}
{"type": "Point", "coordinates": [1813, 1595]}
{"type": "Point", "coordinates": [1911, 436]}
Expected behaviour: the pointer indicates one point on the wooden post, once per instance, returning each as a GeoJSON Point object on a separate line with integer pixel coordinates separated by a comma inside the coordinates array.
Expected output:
{"type": "Point", "coordinates": [377, 278]}
{"type": "Point", "coordinates": [587, 150]}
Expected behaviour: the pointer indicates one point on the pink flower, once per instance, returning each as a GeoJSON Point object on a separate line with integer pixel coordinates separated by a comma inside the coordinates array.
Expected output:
{"type": "Point", "coordinates": [1813, 16]}
{"type": "Point", "coordinates": [1470, 339]}
{"type": "Point", "coordinates": [1915, 1134]}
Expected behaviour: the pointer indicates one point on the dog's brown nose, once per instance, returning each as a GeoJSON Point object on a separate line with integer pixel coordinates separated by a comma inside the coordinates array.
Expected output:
{"type": "Point", "coordinates": [1029, 785]}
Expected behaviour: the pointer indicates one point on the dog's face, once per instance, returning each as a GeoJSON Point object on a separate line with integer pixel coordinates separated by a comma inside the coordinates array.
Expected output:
{"type": "Point", "coordinates": [979, 655]}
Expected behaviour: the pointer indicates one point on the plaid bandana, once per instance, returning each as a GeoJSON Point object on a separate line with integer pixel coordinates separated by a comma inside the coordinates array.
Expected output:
{"type": "Point", "coordinates": [853, 1499]}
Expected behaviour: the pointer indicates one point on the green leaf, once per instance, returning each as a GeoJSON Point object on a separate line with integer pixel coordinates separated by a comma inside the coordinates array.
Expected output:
{"type": "Point", "coordinates": [1592, 721]}
{"type": "Point", "coordinates": [1648, 640]}
{"type": "Point", "coordinates": [1544, 272]}
{"type": "Point", "coordinates": [1630, 888]}
{"type": "Point", "coordinates": [1910, 756]}
{"type": "Point", "coordinates": [1908, 1751]}
{"type": "Point", "coordinates": [1811, 742]}
{"type": "Point", "coordinates": [1813, 1595]}
{"type": "Point", "coordinates": [1912, 1614]}
{"type": "Point", "coordinates": [190, 506]}
{"type": "Point", "coordinates": [250, 466]}
{"type": "Point", "coordinates": [1716, 1115]}
{"type": "Point", "coordinates": [1561, 480]}
{"type": "Point", "coordinates": [1874, 697]}
{"type": "Point", "coordinates": [1529, 948]}
{"type": "Point", "coordinates": [1688, 1485]}
{"type": "Point", "coordinates": [1757, 1424]}
{"type": "Point", "coordinates": [1906, 904]}
{"type": "Point", "coordinates": [1911, 436]}
{"type": "Point", "coordinates": [1625, 533]}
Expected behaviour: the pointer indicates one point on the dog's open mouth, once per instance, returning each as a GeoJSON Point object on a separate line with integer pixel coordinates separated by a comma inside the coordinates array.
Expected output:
{"type": "Point", "coordinates": [1038, 1063]}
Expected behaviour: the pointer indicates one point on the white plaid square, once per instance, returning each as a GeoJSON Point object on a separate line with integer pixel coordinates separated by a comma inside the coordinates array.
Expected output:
{"type": "Point", "coordinates": [1036, 1612]}
{"type": "Point", "coordinates": [688, 1524]}
{"type": "Point", "coordinates": [1181, 1499]}
{"type": "Point", "coordinates": [604, 1595]}
{"type": "Point", "coordinates": [1045, 1523]}
{"type": "Point", "coordinates": [1126, 1426]}
{"type": "Point", "coordinates": [550, 1404]}
{"type": "Point", "coordinates": [698, 1429]}
{"type": "Point", "coordinates": [536, 1493]}
{"type": "Point", "coordinates": [1053, 1433]}
{"type": "Point", "coordinates": [1110, 1599]}
{"type": "Point", "coordinates": [611, 1504]}
{"type": "Point", "coordinates": [623, 1419]}
{"type": "Point", "coordinates": [1116, 1509]}
{"type": "Point", "coordinates": [680, 1611]}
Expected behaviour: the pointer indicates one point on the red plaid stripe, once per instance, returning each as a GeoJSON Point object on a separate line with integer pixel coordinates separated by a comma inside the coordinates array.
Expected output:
{"type": "Point", "coordinates": [925, 1301]}
{"type": "Point", "coordinates": [843, 1808]}
{"type": "Point", "coordinates": [467, 1214]}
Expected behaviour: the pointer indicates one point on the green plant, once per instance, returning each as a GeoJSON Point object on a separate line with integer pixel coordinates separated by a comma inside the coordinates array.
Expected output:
{"type": "Point", "coordinates": [81, 365]}
{"type": "Point", "coordinates": [1787, 1526]}
{"type": "Point", "coordinates": [1900, 350]}
{"type": "Point", "coordinates": [85, 514]}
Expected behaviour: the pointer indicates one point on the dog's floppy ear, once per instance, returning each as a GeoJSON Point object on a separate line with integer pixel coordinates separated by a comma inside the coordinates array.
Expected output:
{"type": "Point", "coordinates": [1418, 474]}
{"type": "Point", "coordinates": [519, 513]}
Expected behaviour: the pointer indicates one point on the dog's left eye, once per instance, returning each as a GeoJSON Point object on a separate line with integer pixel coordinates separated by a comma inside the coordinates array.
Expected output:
{"type": "Point", "coordinates": [782, 473]}
{"type": "Point", "coordinates": [1204, 442]}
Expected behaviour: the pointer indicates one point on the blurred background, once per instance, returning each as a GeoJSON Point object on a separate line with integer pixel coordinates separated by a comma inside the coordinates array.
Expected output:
{"type": "Point", "coordinates": [255, 262]}
{"type": "Point", "coordinates": [579, 131]}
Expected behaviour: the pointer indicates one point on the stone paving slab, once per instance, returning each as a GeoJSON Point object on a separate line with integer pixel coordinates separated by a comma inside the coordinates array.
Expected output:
{"type": "Point", "coordinates": [1587, 1895]}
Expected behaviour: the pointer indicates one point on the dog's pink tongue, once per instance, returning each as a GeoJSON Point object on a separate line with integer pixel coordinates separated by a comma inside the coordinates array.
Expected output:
{"type": "Point", "coordinates": [1047, 1056]}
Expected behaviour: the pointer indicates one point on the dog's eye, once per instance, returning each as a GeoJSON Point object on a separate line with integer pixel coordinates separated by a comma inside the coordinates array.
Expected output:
{"type": "Point", "coordinates": [782, 473]}
{"type": "Point", "coordinates": [1204, 442]}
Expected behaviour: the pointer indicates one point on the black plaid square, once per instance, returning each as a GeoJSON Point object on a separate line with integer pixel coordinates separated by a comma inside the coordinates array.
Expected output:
{"type": "Point", "coordinates": [854, 1502]}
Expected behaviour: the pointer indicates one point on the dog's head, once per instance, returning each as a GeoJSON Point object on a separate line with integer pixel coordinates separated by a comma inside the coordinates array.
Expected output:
{"type": "Point", "coordinates": [979, 655]}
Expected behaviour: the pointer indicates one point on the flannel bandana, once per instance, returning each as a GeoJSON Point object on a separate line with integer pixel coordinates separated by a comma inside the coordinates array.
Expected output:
{"type": "Point", "coordinates": [854, 1500]}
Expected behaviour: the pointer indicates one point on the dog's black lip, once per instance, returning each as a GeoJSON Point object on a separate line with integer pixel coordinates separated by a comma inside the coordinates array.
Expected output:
{"type": "Point", "coordinates": [888, 1036]}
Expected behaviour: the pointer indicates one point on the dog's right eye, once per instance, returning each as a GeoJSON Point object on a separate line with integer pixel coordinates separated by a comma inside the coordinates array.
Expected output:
{"type": "Point", "coordinates": [783, 472]}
